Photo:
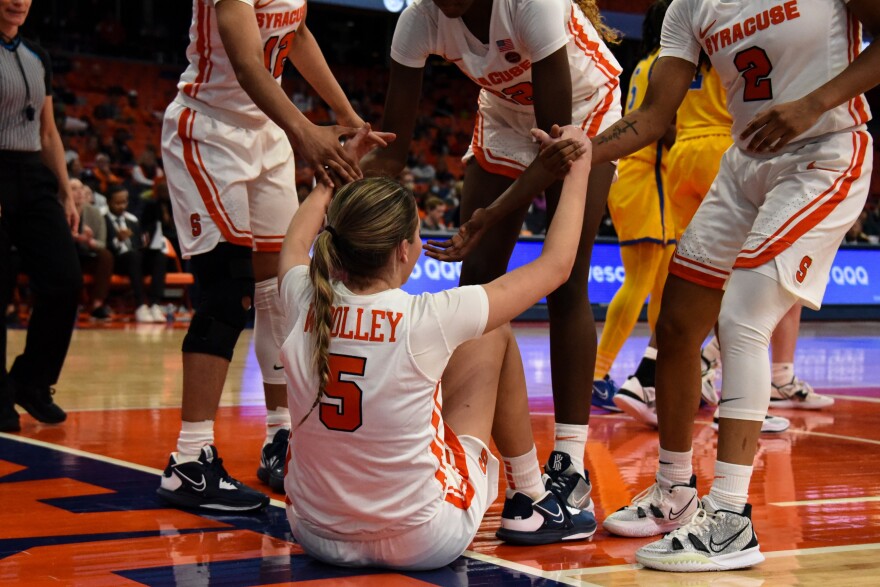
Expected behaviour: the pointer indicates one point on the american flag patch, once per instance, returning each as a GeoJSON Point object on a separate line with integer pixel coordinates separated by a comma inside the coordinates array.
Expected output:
{"type": "Point", "coordinates": [505, 45]}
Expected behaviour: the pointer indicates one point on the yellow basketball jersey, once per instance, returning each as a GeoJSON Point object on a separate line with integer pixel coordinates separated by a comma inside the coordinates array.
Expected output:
{"type": "Point", "coordinates": [704, 109]}
{"type": "Point", "coordinates": [638, 85]}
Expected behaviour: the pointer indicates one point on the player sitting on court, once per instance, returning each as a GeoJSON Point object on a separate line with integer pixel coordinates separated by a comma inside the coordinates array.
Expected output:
{"type": "Point", "coordinates": [376, 475]}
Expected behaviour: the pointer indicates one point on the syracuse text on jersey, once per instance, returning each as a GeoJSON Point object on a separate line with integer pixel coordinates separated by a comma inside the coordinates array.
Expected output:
{"type": "Point", "coordinates": [277, 20]}
{"type": "Point", "coordinates": [739, 31]}
{"type": "Point", "coordinates": [351, 323]}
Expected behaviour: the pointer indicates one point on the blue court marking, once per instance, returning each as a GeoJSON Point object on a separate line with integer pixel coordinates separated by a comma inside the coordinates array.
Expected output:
{"type": "Point", "coordinates": [136, 490]}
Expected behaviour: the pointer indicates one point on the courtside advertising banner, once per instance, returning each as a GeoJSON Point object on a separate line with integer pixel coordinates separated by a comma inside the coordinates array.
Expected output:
{"type": "Point", "coordinates": [854, 278]}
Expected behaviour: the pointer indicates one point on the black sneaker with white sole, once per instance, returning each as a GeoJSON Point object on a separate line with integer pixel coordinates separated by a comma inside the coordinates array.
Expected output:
{"type": "Point", "coordinates": [205, 484]}
{"type": "Point", "coordinates": [545, 520]}
{"type": "Point", "coordinates": [271, 471]}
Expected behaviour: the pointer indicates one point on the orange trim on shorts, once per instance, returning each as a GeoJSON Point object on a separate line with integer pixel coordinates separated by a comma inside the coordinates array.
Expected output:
{"type": "Point", "coordinates": [695, 276]}
{"type": "Point", "coordinates": [498, 164]}
{"type": "Point", "coordinates": [462, 495]}
{"type": "Point", "coordinates": [450, 452]}
{"type": "Point", "coordinates": [774, 244]}
{"type": "Point", "coordinates": [196, 171]}
{"type": "Point", "coordinates": [707, 268]}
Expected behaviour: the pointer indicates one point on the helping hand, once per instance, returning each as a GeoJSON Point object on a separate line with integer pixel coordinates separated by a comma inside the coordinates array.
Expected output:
{"type": "Point", "coordinates": [560, 149]}
{"type": "Point", "coordinates": [462, 243]}
{"type": "Point", "coordinates": [321, 149]}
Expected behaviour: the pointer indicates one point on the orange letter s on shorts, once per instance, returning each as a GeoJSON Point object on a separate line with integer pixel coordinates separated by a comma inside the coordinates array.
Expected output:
{"type": "Point", "coordinates": [802, 271]}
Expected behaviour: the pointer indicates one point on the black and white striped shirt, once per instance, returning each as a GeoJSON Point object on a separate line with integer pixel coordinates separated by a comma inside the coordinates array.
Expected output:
{"type": "Point", "coordinates": [25, 81]}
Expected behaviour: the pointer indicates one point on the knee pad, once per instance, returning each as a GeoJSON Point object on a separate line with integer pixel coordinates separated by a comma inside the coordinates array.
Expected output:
{"type": "Point", "coordinates": [750, 310]}
{"type": "Point", "coordinates": [269, 330]}
{"type": "Point", "coordinates": [226, 280]}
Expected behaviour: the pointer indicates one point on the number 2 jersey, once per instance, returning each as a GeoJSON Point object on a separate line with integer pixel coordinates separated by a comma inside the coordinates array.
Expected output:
{"type": "Point", "coordinates": [209, 84]}
{"type": "Point", "coordinates": [521, 32]}
{"type": "Point", "coordinates": [759, 52]}
{"type": "Point", "coordinates": [374, 457]}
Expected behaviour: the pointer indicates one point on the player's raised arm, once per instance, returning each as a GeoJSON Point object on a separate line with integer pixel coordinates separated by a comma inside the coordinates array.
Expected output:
{"type": "Point", "coordinates": [319, 146]}
{"type": "Point", "coordinates": [401, 108]}
{"type": "Point", "coordinates": [669, 83]}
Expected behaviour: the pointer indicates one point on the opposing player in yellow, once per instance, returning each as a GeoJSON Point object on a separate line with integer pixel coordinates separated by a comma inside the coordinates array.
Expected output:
{"type": "Point", "coordinates": [640, 212]}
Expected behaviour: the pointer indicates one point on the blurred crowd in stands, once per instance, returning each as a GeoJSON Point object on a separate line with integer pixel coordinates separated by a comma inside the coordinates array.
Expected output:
{"type": "Point", "coordinates": [109, 112]}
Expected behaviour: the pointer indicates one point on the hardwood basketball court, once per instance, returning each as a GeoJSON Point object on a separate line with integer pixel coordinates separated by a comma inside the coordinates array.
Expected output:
{"type": "Point", "coordinates": [79, 504]}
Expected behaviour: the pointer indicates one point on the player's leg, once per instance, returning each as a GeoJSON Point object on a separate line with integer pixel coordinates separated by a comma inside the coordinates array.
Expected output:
{"type": "Point", "coordinates": [637, 395]}
{"type": "Point", "coordinates": [573, 329]}
{"type": "Point", "coordinates": [787, 390]}
{"type": "Point", "coordinates": [531, 514]}
{"type": "Point", "coordinates": [272, 200]}
{"type": "Point", "coordinates": [210, 213]}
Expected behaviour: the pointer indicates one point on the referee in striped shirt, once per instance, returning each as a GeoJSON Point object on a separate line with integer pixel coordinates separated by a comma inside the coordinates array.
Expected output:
{"type": "Point", "coordinates": [37, 217]}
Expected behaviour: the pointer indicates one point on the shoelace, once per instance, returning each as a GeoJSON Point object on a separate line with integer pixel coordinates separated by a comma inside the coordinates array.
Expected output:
{"type": "Point", "coordinates": [650, 495]}
{"type": "Point", "coordinates": [701, 519]}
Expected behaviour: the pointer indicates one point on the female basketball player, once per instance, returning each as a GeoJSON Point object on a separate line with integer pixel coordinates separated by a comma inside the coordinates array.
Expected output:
{"type": "Point", "coordinates": [539, 63]}
{"type": "Point", "coordinates": [376, 475]}
{"type": "Point", "coordinates": [767, 231]}
{"type": "Point", "coordinates": [226, 145]}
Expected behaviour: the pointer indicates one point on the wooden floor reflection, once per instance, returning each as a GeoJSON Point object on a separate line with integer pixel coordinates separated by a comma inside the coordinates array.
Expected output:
{"type": "Point", "coordinates": [79, 505]}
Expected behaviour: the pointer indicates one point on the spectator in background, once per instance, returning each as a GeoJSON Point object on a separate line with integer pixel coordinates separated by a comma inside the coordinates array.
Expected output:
{"type": "Point", "coordinates": [157, 218]}
{"type": "Point", "coordinates": [856, 234]}
{"type": "Point", "coordinates": [120, 151]}
{"type": "Point", "coordinates": [131, 257]}
{"type": "Point", "coordinates": [435, 209]}
{"type": "Point", "coordinates": [95, 199]}
{"type": "Point", "coordinates": [91, 246]}
{"type": "Point", "coordinates": [103, 174]}
{"type": "Point", "coordinates": [147, 169]}
{"type": "Point", "coordinates": [423, 172]}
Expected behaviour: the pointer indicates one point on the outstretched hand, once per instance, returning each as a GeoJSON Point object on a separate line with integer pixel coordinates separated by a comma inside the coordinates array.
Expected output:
{"type": "Point", "coordinates": [461, 243]}
{"type": "Point", "coordinates": [320, 147]}
{"type": "Point", "coordinates": [365, 140]}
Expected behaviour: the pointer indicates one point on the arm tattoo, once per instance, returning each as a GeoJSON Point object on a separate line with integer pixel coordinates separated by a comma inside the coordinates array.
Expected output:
{"type": "Point", "coordinates": [619, 128]}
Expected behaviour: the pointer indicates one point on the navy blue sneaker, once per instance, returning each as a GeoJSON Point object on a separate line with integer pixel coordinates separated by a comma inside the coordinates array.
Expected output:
{"type": "Point", "coordinates": [570, 485]}
{"type": "Point", "coordinates": [545, 520]}
{"type": "Point", "coordinates": [604, 391]}
{"type": "Point", "coordinates": [205, 484]}
{"type": "Point", "coordinates": [271, 471]}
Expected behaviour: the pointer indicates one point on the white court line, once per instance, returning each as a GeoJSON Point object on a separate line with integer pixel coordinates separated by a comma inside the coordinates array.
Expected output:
{"type": "Point", "coordinates": [97, 457]}
{"type": "Point", "coordinates": [863, 499]}
{"type": "Point", "coordinates": [559, 576]}
{"type": "Point", "coordinates": [834, 436]}
{"type": "Point", "coordinates": [774, 554]}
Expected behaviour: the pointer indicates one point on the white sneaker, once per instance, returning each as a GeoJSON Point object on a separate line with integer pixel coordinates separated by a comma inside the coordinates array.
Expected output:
{"type": "Point", "coordinates": [770, 425]}
{"type": "Point", "coordinates": [158, 314]}
{"type": "Point", "coordinates": [708, 391]}
{"type": "Point", "coordinates": [144, 315]}
{"type": "Point", "coordinates": [711, 541]}
{"type": "Point", "coordinates": [799, 395]}
{"type": "Point", "coordinates": [655, 511]}
{"type": "Point", "coordinates": [637, 401]}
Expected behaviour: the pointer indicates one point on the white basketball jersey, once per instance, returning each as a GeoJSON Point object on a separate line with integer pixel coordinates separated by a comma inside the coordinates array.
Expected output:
{"type": "Point", "coordinates": [759, 51]}
{"type": "Point", "coordinates": [374, 455]}
{"type": "Point", "coordinates": [521, 32]}
{"type": "Point", "coordinates": [210, 79]}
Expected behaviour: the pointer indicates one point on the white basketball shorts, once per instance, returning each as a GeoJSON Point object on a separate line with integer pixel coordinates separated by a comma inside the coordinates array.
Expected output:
{"type": "Point", "coordinates": [431, 545]}
{"type": "Point", "coordinates": [783, 215]}
{"type": "Point", "coordinates": [502, 141]}
{"type": "Point", "coordinates": [227, 182]}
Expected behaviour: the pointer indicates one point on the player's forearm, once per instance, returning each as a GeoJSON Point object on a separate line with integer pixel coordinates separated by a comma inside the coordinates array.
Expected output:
{"type": "Point", "coordinates": [629, 134]}
{"type": "Point", "coordinates": [268, 96]}
{"type": "Point", "coordinates": [308, 59]}
{"type": "Point", "coordinates": [520, 194]}
{"type": "Point", "coordinates": [53, 157]}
